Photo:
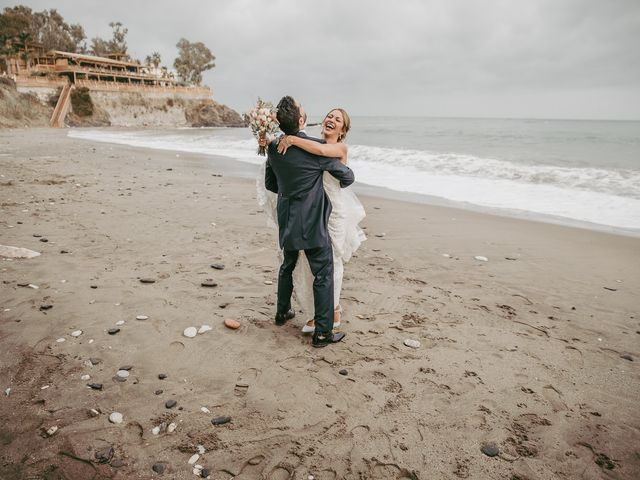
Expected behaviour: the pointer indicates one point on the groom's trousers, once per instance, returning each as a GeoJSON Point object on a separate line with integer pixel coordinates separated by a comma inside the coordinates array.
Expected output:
{"type": "Point", "coordinates": [321, 264]}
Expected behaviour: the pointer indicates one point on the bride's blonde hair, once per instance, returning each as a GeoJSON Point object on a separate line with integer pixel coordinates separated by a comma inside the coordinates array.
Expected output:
{"type": "Point", "coordinates": [346, 125]}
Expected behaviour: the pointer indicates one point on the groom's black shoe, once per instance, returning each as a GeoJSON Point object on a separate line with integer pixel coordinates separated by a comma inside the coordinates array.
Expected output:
{"type": "Point", "coordinates": [323, 339]}
{"type": "Point", "coordinates": [281, 318]}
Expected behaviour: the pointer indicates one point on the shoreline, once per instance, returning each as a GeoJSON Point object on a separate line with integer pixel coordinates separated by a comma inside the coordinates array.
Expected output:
{"type": "Point", "coordinates": [245, 169]}
{"type": "Point", "coordinates": [535, 350]}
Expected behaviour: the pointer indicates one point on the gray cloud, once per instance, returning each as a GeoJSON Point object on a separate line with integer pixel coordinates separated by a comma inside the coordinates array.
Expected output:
{"type": "Point", "coordinates": [541, 58]}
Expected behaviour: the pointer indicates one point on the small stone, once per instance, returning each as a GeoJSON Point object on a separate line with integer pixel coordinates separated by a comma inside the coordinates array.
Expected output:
{"type": "Point", "coordinates": [220, 420]}
{"type": "Point", "coordinates": [93, 412]}
{"type": "Point", "coordinates": [76, 333]}
{"type": "Point", "coordinates": [158, 392]}
{"type": "Point", "coordinates": [194, 458]}
{"type": "Point", "coordinates": [95, 361]}
{"type": "Point", "coordinates": [7, 392]}
{"type": "Point", "coordinates": [93, 286]}
{"type": "Point", "coordinates": [64, 251]}
{"type": "Point", "coordinates": [162, 376]}
{"type": "Point", "coordinates": [122, 373]}
{"type": "Point", "coordinates": [147, 280]}
{"type": "Point", "coordinates": [52, 430]}
{"type": "Point", "coordinates": [45, 307]}
{"type": "Point", "coordinates": [159, 468]}
{"type": "Point", "coordinates": [117, 463]}
{"type": "Point", "coordinates": [201, 449]}
{"type": "Point", "coordinates": [490, 449]}
{"type": "Point", "coordinates": [142, 317]}
{"type": "Point", "coordinates": [343, 372]}
{"type": "Point", "coordinates": [268, 282]}
{"type": "Point", "coordinates": [104, 455]}
{"type": "Point", "coordinates": [116, 378]}
{"type": "Point", "coordinates": [205, 473]}
{"type": "Point", "coordinates": [155, 430]}
{"type": "Point", "coordinates": [205, 410]}
{"type": "Point", "coordinates": [232, 324]}
{"type": "Point", "coordinates": [481, 258]}
{"type": "Point", "coordinates": [217, 266]}
{"type": "Point", "coordinates": [204, 328]}
{"type": "Point", "coordinates": [115, 417]}
{"type": "Point", "coordinates": [31, 285]}
{"type": "Point", "coordinates": [256, 460]}
{"type": "Point", "coordinates": [95, 386]}
{"type": "Point", "coordinates": [170, 403]}
{"type": "Point", "coordinates": [412, 343]}
{"type": "Point", "coordinates": [44, 240]}
{"type": "Point", "coordinates": [190, 332]}
{"type": "Point", "coordinates": [627, 356]}
{"type": "Point", "coordinates": [209, 282]}
{"type": "Point", "coordinates": [85, 377]}
{"type": "Point", "coordinates": [60, 340]}
{"type": "Point", "coordinates": [119, 323]}
{"type": "Point", "coordinates": [113, 331]}
{"type": "Point", "coordinates": [171, 427]}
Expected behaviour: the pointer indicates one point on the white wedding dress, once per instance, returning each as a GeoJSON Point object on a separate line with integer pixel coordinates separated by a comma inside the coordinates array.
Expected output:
{"type": "Point", "coordinates": [346, 237]}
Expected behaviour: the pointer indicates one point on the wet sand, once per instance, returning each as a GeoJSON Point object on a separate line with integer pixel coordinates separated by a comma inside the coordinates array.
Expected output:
{"type": "Point", "coordinates": [535, 350]}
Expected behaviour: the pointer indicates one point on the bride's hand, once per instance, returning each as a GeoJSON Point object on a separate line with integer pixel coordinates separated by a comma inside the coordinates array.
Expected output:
{"type": "Point", "coordinates": [284, 144]}
{"type": "Point", "coordinates": [262, 140]}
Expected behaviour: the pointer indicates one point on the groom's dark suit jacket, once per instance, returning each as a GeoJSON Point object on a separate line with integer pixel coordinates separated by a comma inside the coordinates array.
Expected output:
{"type": "Point", "coordinates": [303, 205]}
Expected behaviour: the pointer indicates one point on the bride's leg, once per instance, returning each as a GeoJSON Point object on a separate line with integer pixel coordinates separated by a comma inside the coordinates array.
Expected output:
{"type": "Point", "coordinates": [338, 272]}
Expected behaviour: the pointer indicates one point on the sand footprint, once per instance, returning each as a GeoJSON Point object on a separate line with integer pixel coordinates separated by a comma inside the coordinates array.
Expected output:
{"type": "Point", "coordinates": [252, 468]}
{"type": "Point", "coordinates": [281, 472]}
{"type": "Point", "coordinates": [244, 381]}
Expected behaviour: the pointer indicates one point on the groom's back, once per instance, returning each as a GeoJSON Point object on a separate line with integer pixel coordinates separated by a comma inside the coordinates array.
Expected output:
{"type": "Point", "coordinates": [303, 206]}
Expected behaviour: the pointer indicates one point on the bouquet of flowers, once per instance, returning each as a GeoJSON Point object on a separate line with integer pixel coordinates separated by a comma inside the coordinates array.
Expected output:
{"type": "Point", "coordinates": [263, 123]}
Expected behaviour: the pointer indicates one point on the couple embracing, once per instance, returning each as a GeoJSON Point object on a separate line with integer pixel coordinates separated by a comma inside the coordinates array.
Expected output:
{"type": "Point", "coordinates": [317, 216]}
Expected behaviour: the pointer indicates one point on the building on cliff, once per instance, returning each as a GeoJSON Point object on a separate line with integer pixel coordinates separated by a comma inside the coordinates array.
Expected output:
{"type": "Point", "coordinates": [55, 75]}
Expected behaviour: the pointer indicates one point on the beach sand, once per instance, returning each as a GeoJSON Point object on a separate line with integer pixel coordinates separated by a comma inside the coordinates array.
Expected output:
{"type": "Point", "coordinates": [536, 350]}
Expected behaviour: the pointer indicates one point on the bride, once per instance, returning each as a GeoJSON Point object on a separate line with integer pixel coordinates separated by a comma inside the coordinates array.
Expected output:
{"type": "Point", "coordinates": [347, 211]}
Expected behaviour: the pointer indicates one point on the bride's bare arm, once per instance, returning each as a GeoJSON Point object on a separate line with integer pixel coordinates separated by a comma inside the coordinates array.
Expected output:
{"type": "Point", "coordinates": [334, 150]}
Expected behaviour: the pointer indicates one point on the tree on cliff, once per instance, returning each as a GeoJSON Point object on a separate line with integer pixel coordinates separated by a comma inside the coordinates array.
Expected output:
{"type": "Point", "coordinates": [193, 59]}
{"type": "Point", "coordinates": [117, 44]}
{"type": "Point", "coordinates": [20, 26]}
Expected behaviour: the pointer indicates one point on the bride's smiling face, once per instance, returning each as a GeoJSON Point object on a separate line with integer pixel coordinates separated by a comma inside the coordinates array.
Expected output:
{"type": "Point", "coordinates": [333, 124]}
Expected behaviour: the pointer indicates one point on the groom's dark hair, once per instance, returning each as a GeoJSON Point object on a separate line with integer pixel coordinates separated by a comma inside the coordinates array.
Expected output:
{"type": "Point", "coordinates": [288, 115]}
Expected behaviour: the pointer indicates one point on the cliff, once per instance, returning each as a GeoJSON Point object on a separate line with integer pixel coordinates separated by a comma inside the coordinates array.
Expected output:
{"type": "Point", "coordinates": [19, 110]}
{"type": "Point", "coordinates": [121, 106]}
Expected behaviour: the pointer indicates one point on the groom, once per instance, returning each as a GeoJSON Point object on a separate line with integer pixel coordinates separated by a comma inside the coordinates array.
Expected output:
{"type": "Point", "coordinates": [303, 214]}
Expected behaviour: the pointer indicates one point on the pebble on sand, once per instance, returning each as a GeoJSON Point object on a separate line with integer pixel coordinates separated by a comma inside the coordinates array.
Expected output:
{"type": "Point", "coordinates": [205, 410]}
{"type": "Point", "coordinates": [60, 340]}
{"type": "Point", "coordinates": [113, 331]}
{"type": "Point", "coordinates": [95, 386]}
{"type": "Point", "coordinates": [220, 420]}
{"type": "Point", "coordinates": [194, 458]}
{"type": "Point", "coordinates": [232, 324]}
{"type": "Point", "coordinates": [119, 323]}
{"type": "Point", "coordinates": [209, 282]}
{"type": "Point", "coordinates": [204, 328]}
{"type": "Point", "coordinates": [162, 376]}
{"type": "Point", "coordinates": [217, 266]}
{"type": "Point", "coordinates": [122, 373]}
{"type": "Point", "coordinates": [170, 403]}
{"type": "Point", "coordinates": [190, 332]}
{"type": "Point", "coordinates": [76, 333]}
{"type": "Point", "coordinates": [412, 343]}
{"type": "Point", "coordinates": [155, 430]}
{"type": "Point", "coordinates": [490, 449]}
{"type": "Point", "coordinates": [627, 356]}
{"type": "Point", "coordinates": [52, 430]}
{"type": "Point", "coordinates": [343, 372]}
{"type": "Point", "coordinates": [85, 377]}
{"type": "Point", "coordinates": [172, 426]}
{"type": "Point", "coordinates": [115, 417]}
{"type": "Point", "coordinates": [159, 468]}
{"type": "Point", "coordinates": [142, 317]}
{"type": "Point", "coordinates": [481, 258]}
{"type": "Point", "coordinates": [268, 282]}
{"type": "Point", "coordinates": [147, 280]}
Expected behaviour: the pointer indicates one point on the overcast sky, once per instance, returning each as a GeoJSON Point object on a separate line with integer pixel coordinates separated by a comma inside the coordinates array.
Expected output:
{"type": "Point", "coordinates": [469, 58]}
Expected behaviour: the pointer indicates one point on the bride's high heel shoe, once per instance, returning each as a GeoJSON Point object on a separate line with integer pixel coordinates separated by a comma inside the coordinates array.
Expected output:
{"type": "Point", "coordinates": [310, 326]}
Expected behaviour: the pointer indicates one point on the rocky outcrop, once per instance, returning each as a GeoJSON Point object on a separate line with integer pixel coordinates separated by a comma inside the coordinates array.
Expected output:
{"type": "Point", "coordinates": [103, 108]}
{"type": "Point", "coordinates": [19, 110]}
{"type": "Point", "coordinates": [209, 113]}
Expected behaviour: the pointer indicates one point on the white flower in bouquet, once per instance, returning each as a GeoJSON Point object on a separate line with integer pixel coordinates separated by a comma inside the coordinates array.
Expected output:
{"type": "Point", "coordinates": [262, 121]}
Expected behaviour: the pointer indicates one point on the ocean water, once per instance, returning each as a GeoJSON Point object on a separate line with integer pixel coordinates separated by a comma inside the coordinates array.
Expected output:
{"type": "Point", "coordinates": [567, 171]}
